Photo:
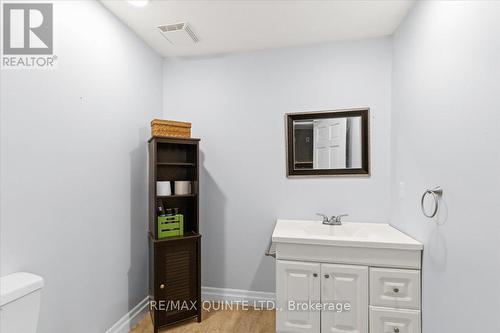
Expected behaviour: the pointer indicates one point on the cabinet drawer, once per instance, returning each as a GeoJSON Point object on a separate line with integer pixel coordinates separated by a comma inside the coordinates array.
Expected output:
{"type": "Point", "coordinates": [395, 288]}
{"type": "Point", "coordinates": [383, 320]}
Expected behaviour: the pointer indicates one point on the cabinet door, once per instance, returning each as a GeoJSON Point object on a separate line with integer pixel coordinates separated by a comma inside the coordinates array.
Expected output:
{"type": "Point", "coordinates": [344, 284]}
{"type": "Point", "coordinates": [176, 280]}
{"type": "Point", "coordinates": [297, 283]}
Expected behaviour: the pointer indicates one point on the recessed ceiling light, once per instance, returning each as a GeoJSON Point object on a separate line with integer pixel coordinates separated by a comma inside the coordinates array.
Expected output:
{"type": "Point", "coordinates": [138, 3]}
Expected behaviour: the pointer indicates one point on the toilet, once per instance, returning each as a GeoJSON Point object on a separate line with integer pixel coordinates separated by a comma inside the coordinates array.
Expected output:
{"type": "Point", "coordinates": [20, 295]}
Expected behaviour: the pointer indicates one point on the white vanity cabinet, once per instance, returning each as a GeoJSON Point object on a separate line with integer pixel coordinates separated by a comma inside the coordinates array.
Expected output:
{"type": "Point", "coordinates": [377, 275]}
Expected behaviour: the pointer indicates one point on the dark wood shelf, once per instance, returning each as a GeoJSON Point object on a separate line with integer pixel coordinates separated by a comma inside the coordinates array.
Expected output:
{"type": "Point", "coordinates": [176, 196]}
{"type": "Point", "coordinates": [183, 164]}
{"type": "Point", "coordinates": [187, 235]}
{"type": "Point", "coordinates": [175, 140]}
{"type": "Point", "coordinates": [174, 262]}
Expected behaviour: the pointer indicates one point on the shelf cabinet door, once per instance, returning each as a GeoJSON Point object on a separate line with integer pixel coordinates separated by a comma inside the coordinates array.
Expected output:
{"type": "Point", "coordinates": [344, 284]}
{"type": "Point", "coordinates": [297, 282]}
{"type": "Point", "coordinates": [176, 282]}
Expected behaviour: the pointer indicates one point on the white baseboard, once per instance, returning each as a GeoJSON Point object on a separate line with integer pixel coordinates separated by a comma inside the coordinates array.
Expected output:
{"type": "Point", "coordinates": [235, 295]}
{"type": "Point", "coordinates": [130, 319]}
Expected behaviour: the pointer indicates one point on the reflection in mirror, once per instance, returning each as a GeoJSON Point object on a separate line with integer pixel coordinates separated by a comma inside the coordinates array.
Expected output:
{"type": "Point", "coordinates": [332, 143]}
{"type": "Point", "coordinates": [328, 143]}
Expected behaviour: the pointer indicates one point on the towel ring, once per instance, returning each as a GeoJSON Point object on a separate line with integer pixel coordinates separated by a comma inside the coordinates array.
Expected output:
{"type": "Point", "coordinates": [436, 194]}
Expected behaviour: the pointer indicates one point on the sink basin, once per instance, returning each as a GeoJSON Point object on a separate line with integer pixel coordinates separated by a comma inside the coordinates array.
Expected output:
{"type": "Point", "coordinates": [344, 230]}
{"type": "Point", "coordinates": [375, 235]}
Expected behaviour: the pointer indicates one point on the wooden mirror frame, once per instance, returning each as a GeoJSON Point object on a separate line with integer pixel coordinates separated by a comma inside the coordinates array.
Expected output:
{"type": "Point", "coordinates": [364, 113]}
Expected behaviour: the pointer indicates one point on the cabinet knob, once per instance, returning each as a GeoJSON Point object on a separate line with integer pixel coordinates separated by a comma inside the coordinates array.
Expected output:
{"type": "Point", "coordinates": [162, 286]}
{"type": "Point", "coordinates": [396, 290]}
{"type": "Point", "coordinates": [327, 276]}
{"type": "Point", "coordinates": [315, 274]}
{"type": "Point", "coordinates": [396, 330]}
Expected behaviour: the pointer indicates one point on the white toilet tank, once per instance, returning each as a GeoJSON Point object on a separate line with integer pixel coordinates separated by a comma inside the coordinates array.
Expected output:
{"type": "Point", "coordinates": [20, 295]}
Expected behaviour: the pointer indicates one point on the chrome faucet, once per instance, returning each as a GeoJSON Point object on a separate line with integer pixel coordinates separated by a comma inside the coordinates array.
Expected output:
{"type": "Point", "coordinates": [334, 220]}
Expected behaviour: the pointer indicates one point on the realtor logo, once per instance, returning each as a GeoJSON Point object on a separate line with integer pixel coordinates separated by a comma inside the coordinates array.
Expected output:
{"type": "Point", "coordinates": [28, 35]}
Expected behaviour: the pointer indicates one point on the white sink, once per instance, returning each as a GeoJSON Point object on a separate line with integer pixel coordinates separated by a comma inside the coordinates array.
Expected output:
{"type": "Point", "coordinates": [374, 235]}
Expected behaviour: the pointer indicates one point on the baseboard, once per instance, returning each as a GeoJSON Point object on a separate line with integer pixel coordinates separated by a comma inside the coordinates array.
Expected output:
{"type": "Point", "coordinates": [130, 319]}
{"type": "Point", "coordinates": [235, 295]}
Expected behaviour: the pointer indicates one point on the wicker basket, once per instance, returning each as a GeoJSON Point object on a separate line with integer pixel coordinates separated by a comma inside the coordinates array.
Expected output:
{"type": "Point", "coordinates": [169, 128]}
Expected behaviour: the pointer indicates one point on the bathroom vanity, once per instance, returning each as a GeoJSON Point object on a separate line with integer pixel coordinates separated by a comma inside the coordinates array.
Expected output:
{"type": "Point", "coordinates": [371, 270]}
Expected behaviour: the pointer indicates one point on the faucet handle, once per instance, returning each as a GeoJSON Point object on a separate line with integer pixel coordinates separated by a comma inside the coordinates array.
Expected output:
{"type": "Point", "coordinates": [338, 218]}
{"type": "Point", "coordinates": [324, 216]}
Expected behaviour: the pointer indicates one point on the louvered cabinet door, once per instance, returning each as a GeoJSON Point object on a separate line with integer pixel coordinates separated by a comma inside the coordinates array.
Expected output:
{"type": "Point", "coordinates": [177, 287]}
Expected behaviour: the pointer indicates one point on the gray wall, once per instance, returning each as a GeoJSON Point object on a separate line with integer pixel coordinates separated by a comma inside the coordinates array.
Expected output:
{"type": "Point", "coordinates": [237, 105]}
{"type": "Point", "coordinates": [446, 132]}
{"type": "Point", "coordinates": [73, 169]}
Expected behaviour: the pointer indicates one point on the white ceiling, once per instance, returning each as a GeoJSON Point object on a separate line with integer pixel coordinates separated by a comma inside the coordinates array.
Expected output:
{"type": "Point", "coordinates": [242, 25]}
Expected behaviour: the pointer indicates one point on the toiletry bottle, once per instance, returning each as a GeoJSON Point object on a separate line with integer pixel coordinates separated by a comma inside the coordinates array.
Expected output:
{"type": "Point", "coordinates": [160, 208]}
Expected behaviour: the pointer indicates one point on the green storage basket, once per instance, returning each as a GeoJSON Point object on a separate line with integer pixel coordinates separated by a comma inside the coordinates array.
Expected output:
{"type": "Point", "coordinates": [170, 226]}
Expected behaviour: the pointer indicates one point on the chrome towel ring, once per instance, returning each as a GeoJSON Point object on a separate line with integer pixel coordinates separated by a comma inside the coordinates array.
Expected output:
{"type": "Point", "coordinates": [436, 193]}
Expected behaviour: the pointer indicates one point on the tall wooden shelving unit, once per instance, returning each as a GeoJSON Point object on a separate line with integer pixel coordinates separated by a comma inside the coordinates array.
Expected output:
{"type": "Point", "coordinates": [174, 262]}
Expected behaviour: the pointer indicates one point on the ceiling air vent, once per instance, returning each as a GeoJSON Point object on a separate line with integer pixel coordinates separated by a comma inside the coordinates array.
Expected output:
{"type": "Point", "coordinates": [179, 33]}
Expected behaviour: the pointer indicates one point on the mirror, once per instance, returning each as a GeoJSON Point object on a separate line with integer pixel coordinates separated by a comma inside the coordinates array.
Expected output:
{"type": "Point", "coordinates": [328, 143]}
